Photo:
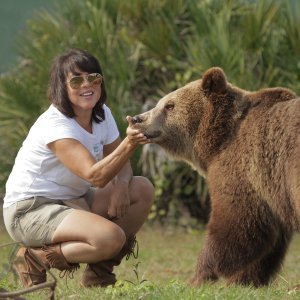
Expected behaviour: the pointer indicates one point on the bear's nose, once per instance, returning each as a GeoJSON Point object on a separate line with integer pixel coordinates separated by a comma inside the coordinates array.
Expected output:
{"type": "Point", "coordinates": [137, 119]}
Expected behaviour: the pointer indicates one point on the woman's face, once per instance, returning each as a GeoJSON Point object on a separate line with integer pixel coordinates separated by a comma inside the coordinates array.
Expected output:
{"type": "Point", "coordinates": [83, 96]}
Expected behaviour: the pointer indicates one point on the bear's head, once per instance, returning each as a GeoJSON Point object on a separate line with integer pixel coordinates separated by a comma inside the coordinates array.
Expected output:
{"type": "Point", "coordinates": [196, 121]}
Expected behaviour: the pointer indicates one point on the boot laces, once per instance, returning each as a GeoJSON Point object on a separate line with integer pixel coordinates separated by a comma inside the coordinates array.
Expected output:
{"type": "Point", "coordinates": [69, 273]}
{"type": "Point", "coordinates": [133, 247]}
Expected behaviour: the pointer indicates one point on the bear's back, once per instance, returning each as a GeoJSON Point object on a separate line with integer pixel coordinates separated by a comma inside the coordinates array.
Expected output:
{"type": "Point", "coordinates": [265, 154]}
{"type": "Point", "coordinates": [270, 96]}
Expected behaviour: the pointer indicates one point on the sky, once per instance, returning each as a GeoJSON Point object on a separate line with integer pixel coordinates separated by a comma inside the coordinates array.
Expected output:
{"type": "Point", "coordinates": [13, 17]}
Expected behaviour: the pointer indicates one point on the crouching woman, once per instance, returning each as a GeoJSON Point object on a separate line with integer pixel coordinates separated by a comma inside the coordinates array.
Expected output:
{"type": "Point", "coordinates": [71, 196]}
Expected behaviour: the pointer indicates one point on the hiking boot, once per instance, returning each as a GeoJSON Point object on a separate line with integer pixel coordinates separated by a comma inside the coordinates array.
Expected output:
{"type": "Point", "coordinates": [29, 269]}
{"type": "Point", "coordinates": [31, 263]}
{"type": "Point", "coordinates": [101, 273]}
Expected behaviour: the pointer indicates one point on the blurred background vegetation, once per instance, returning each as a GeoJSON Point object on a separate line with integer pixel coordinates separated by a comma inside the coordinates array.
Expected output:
{"type": "Point", "coordinates": [13, 17]}
{"type": "Point", "coordinates": [147, 49]}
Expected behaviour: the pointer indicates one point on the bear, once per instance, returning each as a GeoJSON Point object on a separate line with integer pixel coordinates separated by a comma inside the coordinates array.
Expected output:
{"type": "Point", "coordinates": [247, 146]}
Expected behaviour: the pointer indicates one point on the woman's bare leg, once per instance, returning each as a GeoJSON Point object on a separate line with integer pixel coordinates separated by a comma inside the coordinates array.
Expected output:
{"type": "Point", "coordinates": [141, 194]}
{"type": "Point", "coordinates": [90, 237]}
{"type": "Point", "coordinates": [87, 237]}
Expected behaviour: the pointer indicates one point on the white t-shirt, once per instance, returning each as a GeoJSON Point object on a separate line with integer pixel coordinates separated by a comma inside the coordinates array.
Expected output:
{"type": "Point", "coordinates": [38, 172]}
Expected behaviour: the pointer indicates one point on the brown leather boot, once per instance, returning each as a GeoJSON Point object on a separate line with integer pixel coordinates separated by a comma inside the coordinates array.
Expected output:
{"type": "Point", "coordinates": [101, 274]}
{"type": "Point", "coordinates": [31, 263]}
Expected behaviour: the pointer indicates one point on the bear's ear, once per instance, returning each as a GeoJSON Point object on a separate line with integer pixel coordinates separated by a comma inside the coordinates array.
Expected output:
{"type": "Point", "coordinates": [214, 81]}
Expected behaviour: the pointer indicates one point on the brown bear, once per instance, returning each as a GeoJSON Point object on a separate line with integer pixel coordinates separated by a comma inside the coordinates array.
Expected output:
{"type": "Point", "coordinates": [247, 145]}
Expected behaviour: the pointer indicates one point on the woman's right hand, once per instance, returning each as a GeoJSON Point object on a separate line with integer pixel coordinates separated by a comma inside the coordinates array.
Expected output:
{"type": "Point", "coordinates": [134, 135]}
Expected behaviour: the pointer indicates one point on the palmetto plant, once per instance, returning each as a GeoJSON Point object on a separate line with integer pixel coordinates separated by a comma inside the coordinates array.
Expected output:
{"type": "Point", "coordinates": [147, 49]}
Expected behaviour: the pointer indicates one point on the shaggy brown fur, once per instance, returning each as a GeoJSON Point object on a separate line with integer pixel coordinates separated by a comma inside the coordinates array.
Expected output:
{"type": "Point", "coordinates": [247, 145]}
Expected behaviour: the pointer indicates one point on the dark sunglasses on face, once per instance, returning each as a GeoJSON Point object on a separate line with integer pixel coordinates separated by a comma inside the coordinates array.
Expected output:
{"type": "Point", "coordinates": [93, 78]}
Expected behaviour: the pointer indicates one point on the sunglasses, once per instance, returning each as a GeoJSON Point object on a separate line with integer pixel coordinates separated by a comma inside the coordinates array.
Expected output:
{"type": "Point", "coordinates": [93, 78]}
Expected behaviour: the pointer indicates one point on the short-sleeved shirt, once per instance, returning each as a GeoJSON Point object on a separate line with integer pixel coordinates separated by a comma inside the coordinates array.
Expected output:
{"type": "Point", "coordinates": [37, 170]}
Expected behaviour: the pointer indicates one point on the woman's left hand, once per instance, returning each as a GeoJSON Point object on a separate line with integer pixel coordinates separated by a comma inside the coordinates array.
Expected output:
{"type": "Point", "coordinates": [119, 202]}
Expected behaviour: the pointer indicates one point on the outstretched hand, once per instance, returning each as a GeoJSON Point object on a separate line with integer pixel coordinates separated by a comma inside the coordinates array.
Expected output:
{"type": "Point", "coordinates": [134, 135]}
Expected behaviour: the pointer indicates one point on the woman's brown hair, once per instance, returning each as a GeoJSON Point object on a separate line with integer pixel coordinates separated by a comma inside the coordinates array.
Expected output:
{"type": "Point", "coordinates": [70, 62]}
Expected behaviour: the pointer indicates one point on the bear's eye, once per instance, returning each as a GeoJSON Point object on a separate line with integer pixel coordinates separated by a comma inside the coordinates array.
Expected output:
{"type": "Point", "coordinates": [169, 106]}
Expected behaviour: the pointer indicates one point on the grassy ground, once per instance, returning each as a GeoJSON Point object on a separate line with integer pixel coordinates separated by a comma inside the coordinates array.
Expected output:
{"type": "Point", "coordinates": [167, 260]}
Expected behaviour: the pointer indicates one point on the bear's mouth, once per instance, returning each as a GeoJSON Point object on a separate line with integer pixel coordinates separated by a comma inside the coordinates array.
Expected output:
{"type": "Point", "coordinates": [152, 135]}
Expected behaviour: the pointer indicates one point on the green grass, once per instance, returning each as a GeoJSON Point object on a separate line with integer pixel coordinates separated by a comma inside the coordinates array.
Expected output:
{"type": "Point", "coordinates": [167, 259]}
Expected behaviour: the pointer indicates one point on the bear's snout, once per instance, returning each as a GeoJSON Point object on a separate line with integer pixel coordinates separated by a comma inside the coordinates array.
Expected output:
{"type": "Point", "coordinates": [137, 119]}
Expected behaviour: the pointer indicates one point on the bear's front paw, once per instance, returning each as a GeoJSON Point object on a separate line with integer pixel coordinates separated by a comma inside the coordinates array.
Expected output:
{"type": "Point", "coordinates": [195, 282]}
{"type": "Point", "coordinates": [202, 277]}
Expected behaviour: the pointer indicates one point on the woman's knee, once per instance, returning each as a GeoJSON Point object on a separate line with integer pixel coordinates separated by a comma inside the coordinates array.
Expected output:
{"type": "Point", "coordinates": [110, 241]}
{"type": "Point", "coordinates": [142, 190]}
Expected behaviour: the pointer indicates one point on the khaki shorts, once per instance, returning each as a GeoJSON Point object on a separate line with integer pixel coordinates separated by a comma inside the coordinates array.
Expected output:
{"type": "Point", "coordinates": [33, 221]}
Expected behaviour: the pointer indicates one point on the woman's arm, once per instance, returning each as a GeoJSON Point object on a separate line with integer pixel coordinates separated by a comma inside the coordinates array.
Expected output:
{"type": "Point", "coordinates": [119, 201]}
{"type": "Point", "coordinates": [79, 160]}
{"type": "Point", "coordinates": [125, 174]}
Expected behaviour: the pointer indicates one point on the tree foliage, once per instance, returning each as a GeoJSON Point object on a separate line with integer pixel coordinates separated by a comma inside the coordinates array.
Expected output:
{"type": "Point", "coordinates": [147, 49]}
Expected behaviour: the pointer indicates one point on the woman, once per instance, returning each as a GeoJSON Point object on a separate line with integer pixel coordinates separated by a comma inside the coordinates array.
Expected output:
{"type": "Point", "coordinates": [71, 197]}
